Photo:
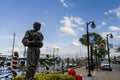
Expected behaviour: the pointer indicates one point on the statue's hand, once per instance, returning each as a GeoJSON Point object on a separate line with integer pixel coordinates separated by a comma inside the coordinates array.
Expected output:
{"type": "Point", "coordinates": [36, 43]}
{"type": "Point", "coordinates": [32, 43]}
{"type": "Point", "coordinates": [40, 44]}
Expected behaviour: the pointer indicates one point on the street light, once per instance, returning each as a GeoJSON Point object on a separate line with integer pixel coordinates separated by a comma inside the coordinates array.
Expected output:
{"type": "Point", "coordinates": [93, 26]}
{"type": "Point", "coordinates": [111, 36]}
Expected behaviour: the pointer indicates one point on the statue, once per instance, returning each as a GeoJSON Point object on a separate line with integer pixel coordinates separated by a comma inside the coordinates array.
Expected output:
{"type": "Point", "coordinates": [33, 40]}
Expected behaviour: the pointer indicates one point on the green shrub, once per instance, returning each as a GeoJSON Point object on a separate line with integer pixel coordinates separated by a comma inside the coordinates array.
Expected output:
{"type": "Point", "coordinates": [20, 78]}
{"type": "Point", "coordinates": [49, 77]}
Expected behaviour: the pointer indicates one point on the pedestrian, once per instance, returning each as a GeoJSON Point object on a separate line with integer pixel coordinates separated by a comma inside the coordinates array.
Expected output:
{"type": "Point", "coordinates": [34, 41]}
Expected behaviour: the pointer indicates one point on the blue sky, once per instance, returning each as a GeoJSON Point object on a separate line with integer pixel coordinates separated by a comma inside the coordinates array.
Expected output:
{"type": "Point", "coordinates": [63, 23]}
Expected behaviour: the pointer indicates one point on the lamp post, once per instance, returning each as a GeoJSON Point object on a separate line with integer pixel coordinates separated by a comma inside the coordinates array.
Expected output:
{"type": "Point", "coordinates": [92, 41]}
{"type": "Point", "coordinates": [108, 52]}
{"type": "Point", "coordinates": [93, 26]}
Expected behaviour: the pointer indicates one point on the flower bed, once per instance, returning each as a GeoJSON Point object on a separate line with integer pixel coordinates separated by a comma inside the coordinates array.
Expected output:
{"type": "Point", "coordinates": [49, 77]}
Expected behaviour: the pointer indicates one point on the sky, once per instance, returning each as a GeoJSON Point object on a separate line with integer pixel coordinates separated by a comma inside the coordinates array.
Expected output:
{"type": "Point", "coordinates": [63, 23]}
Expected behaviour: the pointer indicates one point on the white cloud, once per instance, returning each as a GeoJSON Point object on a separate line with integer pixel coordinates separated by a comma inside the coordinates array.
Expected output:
{"type": "Point", "coordinates": [81, 29]}
{"type": "Point", "coordinates": [18, 49]}
{"type": "Point", "coordinates": [105, 33]}
{"type": "Point", "coordinates": [55, 46]}
{"type": "Point", "coordinates": [68, 31]}
{"type": "Point", "coordinates": [103, 24]}
{"type": "Point", "coordinates": [115, 34]}
{"type": "Point", "coordinates": [78, 20]}
{"type": "Point", "coordinates": [76, 43]}
{"type": "Point", "coordinates": [65, 50]}
{"type": "Point", "coordinates": [79, 49]}
{"type": "Point", "coordinates": [64, 3]}
{"type": "Point", "coordinates": [110, 11]}
{"type": "Point", "coordinates": [117, 37]}
{"type": "Point", "coordinates": [114, 28]}
{"type": "Point", "coordinates": [72, 51]}
{"type": "Point", "coordinates": [69, 24]}
{"type": "Point", "coordinates": [114, 53]}
{"type": "Point", "coordinates": [50, 47]}
{"type": "Point", "coordinates": [7, 37]}
{"type": "Point", "coordinates": [115, 11]}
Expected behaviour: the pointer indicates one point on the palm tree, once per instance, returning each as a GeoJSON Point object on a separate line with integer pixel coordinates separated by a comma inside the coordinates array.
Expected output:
{"type": "Point", "coordinates": [98, 41]}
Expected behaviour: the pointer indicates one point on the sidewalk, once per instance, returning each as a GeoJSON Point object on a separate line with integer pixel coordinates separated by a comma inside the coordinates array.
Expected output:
{"type": "Point", "coordinates": [107, 75]}
{"type": "Point", "coordinates": [98, 75]}
{"type": "Point", "coordinates": [82, 71]}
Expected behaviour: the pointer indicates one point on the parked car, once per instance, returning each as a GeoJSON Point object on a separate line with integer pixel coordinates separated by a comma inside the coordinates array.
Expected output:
{"type": "Point", "coordinates": [105, 65]}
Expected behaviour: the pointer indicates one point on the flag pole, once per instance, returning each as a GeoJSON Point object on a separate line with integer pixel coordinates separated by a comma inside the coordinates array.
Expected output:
{"type": "Point", "coordinates": [13, 44]}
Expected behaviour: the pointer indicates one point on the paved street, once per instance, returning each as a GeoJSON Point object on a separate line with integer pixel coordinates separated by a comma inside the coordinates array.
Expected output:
{"type": "Point", "coordinates": [116, 67]}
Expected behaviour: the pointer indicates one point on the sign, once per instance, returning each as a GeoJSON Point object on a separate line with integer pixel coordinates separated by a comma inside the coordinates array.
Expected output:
{"type": "Point", "coordinates": [102, 46]}
{"type": "Point", "coordinates": [92, 39]}
{"type": "Point", "coordinates": [110, 46]}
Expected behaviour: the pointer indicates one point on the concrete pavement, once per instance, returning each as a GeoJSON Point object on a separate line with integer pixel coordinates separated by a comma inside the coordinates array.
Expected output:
{"type": "Point", "coordinates": [82, 71]}
{"type": "Point", "coordinates": [107, 75]}
{"type": "Point", "coordinates": [98, 74]}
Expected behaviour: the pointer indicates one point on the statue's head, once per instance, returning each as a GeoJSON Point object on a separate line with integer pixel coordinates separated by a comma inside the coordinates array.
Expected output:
{"type": "Point", "coordinates": [36, 26]}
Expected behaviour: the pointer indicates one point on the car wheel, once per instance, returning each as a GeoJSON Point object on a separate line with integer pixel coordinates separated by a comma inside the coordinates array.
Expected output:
{"type": "Point", "coordinates": [110, 69]}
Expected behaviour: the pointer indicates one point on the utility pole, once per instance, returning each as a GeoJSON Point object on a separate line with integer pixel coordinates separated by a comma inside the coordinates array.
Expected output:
{"type": "Point", "coordinates": [111, 36]}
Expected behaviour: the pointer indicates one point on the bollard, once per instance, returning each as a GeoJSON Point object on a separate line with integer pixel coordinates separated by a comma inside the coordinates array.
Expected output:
{"type": "Point", "coordinates": [15, 64]}
{"type": "Point", "coordinates": [47, 64]}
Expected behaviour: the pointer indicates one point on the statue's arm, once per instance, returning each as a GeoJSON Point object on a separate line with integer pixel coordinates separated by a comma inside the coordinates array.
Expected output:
{"type": "Point", "coordinates": [26, 40]}
{"type": "Point", "coordinates": [40, 43]}
{"type": "Point", "coordinates": [42, 36]}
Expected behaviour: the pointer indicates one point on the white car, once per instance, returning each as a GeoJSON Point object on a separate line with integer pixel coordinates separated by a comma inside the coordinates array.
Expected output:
{"type": "Point", "coordinates": [105, 65]}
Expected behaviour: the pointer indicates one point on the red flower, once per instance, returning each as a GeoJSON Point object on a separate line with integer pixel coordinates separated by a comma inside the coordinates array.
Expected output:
{"type": "Point", "coordinates": [78, 77]}
{"type": "Point", "coordinates": [72, 72]}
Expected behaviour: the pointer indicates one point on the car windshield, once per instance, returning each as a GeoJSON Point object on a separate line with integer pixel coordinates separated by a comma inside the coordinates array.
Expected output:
{"type": "Point", "coordinates": [105, 62]}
